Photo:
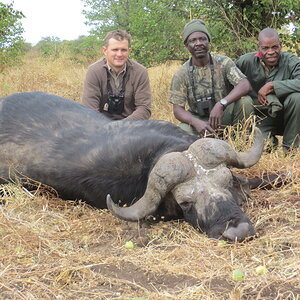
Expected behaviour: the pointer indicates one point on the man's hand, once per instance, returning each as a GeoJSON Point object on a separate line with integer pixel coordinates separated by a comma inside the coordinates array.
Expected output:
{"type": "Point", "coordinates": [264, 91]}
{"type": "Point", "coordinates": [202, 127]}
{"type": "Point", "coordinates": [216, 114]}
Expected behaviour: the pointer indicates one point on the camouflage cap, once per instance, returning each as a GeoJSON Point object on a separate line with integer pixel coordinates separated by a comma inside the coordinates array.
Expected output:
{"type": "Point", "coordinates": [196, 25]}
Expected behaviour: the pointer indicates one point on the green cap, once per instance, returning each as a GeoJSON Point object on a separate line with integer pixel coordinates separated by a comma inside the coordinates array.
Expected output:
{"type": "Point", "coordinates": [196, 25]}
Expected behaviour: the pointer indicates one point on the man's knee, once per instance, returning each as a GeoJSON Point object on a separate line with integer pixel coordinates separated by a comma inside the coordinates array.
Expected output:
{"type": "Point", "coordinates": [246, 103]}
{"type": "Point", "coordinates": [238, 111]}
{"type": "Point", "coordinates": [293, 101]}
{"type": "Point", "coordinates": [188, 128]}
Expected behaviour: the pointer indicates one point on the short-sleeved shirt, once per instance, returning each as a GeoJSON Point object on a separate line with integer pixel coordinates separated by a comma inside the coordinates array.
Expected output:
{"type": "Point", "coordinates": [226, 76]}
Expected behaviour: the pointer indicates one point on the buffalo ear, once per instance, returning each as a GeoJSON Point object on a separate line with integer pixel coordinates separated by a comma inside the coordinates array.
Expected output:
{"type": "Point", "coordinates": [270, 180]}
{"type": "Point", "coordinates": [240, 189]}
{"type": "Point", "coordinates": [169, 209]}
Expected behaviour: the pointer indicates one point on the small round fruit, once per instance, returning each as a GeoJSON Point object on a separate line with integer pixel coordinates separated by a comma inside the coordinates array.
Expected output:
{"type": "Point", "coordinates": [261, 270]}
{"type": "Point", "coordinates": [222, 243]}
{"type": "Point", "coordinates": [238, 275]}
{"type": "Point", "coordinates": [129, 245]}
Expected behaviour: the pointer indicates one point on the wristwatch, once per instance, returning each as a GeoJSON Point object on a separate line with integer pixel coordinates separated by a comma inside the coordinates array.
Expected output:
{"type": "Point", "coordinates": [224, 102]}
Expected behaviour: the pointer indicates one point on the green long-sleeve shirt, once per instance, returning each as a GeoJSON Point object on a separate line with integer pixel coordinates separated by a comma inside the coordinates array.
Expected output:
{"type": "Point", "coordinates": [285, 76]}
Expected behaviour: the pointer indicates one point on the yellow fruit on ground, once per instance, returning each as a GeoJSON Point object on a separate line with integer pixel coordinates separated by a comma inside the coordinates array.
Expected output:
{"type": "Point", "coordinates": [129, 245]}
{"type": "Point", "coordinates": [261, 270]}
{"type": "Point", "coordinates": [238, 275]}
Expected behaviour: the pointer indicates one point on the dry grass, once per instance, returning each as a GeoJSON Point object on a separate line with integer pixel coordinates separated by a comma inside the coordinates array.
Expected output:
{"type": "Point", "coordinates": [160, 78]}
{"type": "Point", "coordinates": [60, 77]}
{"type": "Point", "coordinates": [65, 78]}
{"type": "Point", "coordinates": [54, 249]}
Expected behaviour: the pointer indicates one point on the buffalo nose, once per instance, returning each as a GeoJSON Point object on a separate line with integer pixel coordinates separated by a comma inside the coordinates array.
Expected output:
{"type": "Point", "coordinates": [238, 233]}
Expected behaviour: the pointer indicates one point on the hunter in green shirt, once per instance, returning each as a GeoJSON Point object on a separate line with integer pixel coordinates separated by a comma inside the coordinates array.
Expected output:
{"type": "Point", "coordinates": [208, 91]}
{"type": "Point", "coordinates": [275, 80]}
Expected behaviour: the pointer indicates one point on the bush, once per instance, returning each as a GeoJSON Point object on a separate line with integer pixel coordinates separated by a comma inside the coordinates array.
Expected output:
{"type": "Point", "coordinates": [11, 41]}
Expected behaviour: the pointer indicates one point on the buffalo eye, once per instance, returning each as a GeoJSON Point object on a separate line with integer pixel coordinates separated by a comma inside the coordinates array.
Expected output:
{"type": "Point", "coordinates": [186, 205]}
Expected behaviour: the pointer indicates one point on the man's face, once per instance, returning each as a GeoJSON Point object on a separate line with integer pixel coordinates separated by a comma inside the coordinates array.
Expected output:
{"type": "Point", "coordinates": [198, 44]}
{"type": "Point", "coordinates": [269, 49]}
{"type": "Point", "coordinates": [116, 53]}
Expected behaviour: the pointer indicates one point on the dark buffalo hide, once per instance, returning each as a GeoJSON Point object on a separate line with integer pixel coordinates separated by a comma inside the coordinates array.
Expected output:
{"type": "Point", "coordinates": [84, 155]}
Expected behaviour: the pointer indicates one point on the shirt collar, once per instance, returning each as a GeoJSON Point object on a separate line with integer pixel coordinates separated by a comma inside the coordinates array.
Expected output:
{"type": "Point", "coordinates": [258, 55]}
{"type": "Point", "coordinates": [111, 70]}
{"type": "Point", "coordinates": [267, 69]}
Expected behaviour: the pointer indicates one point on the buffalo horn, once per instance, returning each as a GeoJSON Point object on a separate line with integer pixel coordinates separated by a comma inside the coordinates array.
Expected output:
{"type": "Point", "coordinates": [247, 159]}
{"type": "Point", "coordinates": [211, 153]}
{"type": "Point", "coordinates": [170, 170]}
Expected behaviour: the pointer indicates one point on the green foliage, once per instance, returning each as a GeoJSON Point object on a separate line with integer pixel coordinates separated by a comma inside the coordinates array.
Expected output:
{"type": "Point", "coordinates": [11, 41]}
{"type": "Point", "coordinates": [155, 38]}
{"type": "Point", "coordinates": [292, 41]}
{"type": "Point", "coordinates": [235, 24]}
{"type": "Point", "coordinates": [156, 26]}
{"type": "Point", "coordinates": [85, 48]}
{"type": "Point", "coordinates": [49, 47]}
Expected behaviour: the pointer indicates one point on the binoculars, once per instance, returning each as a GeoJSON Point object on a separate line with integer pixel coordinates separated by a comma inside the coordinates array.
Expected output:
{"type": "Point", "coordinates": [205, 105]}
{"type": "Point", "coordinates": [115, 103]}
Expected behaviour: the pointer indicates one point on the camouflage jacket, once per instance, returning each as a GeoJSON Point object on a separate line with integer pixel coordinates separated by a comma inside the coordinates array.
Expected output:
{"type": "Point", "coordinates": [226, 75]}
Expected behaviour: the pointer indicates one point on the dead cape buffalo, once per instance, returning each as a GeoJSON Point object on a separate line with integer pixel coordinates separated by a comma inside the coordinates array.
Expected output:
{"type": "Point", "coordinates": [153, 167]}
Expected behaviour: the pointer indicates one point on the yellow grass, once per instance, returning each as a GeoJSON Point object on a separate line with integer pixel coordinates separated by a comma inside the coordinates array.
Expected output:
{"type": "Point", "coordinates": [160, 79]}
{"type": "Point", "coordinates": [65, 78]}
{"type": "Point", "coordinates": [54, 249]}
{"type": "Point", "coordinates": [60, 77]}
